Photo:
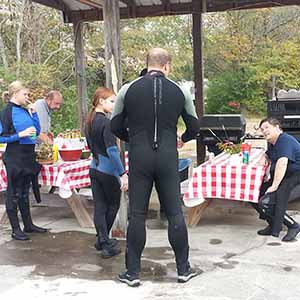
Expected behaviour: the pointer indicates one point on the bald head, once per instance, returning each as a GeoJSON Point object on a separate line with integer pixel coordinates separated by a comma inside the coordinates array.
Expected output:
{"type": "Point", "coordinates": [158, 58]}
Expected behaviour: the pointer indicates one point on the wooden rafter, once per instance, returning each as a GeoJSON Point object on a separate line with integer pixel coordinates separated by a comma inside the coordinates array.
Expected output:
{"type": "Point", "coordinates": [93, 3]}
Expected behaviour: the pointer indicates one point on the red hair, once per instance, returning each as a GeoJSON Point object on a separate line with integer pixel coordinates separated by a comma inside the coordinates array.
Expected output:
{"type": "Point", "coordinates": [100, 93]}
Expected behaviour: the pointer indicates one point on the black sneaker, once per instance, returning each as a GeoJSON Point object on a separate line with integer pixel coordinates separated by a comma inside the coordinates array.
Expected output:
{"type": "Point", "coordinates": [291, 234]}
{"type": "Point", "coordinates": [185, 277]}
{"type": "Point", "coordinates": [130, 280]}
{"type": "Point", "coordinates": [108, 253]}
{"type": "Point", "coordinates": [265, 231]}
{"type": "Point", "coordinates": [35, 229]}
{"type": "Point", "coordinates": [99, 246]}
{"type": "Point", "coordinates": [19, 235]}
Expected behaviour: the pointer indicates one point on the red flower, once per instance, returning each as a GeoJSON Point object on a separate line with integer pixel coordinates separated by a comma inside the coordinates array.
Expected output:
{"type": "Point", "coordinates": [234, 104]}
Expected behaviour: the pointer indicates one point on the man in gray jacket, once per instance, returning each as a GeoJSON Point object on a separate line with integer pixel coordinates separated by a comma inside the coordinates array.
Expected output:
{"type": "Point", "coordinates": [44, 108]}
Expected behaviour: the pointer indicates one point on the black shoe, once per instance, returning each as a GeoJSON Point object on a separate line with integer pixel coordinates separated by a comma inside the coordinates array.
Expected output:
{"type": "Point", "coordinates": [130, 280]}
{"type": "Point", "coordinates": [291, 234]}
{"type": "Point", "coordinates": [35, 229]}
{"type": "Point", "coordinates": [265, 231]}
{"type": "Point", "coordinates": [99, 246]}
{"type": "Point", "coordinates": [189, 274]}
{"type": "Point", "coordinates": [108, 253]}
{"type": "Point", "coordinates": [19, 235]}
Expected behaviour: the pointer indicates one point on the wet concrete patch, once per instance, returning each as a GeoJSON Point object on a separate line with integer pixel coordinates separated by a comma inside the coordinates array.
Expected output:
{"type": "Point", "coordinates": [229, 255]}
{"type": "Point", "coordinates": [274, 244]}
{"type": "Point", "coordinates": [288, 269]}
{"type": "Point", "coordinates": [225, 265]}
{"type": "Point", "coordinates": [215, 241]}
{"type": "Point", "coordinates": [157, 224]}
{"type": "Point", "coordinates": [72, 254]}
{"type": "Point", "coordinates": [161, 253]}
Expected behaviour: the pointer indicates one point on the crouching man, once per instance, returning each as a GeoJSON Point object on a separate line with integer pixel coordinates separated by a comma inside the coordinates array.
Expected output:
{"type": "Point", "coordinates": [284, 155]}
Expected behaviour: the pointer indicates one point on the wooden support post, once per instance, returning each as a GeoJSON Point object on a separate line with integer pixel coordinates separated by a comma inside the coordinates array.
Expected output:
{"type": "Point", "coordinates": [4, 218]}
{"type": "Point", "coordinates": [80, 73]}
{"type": "Point", "coordinates": [111, 17]}
{"type": "Point", "coordinates": [198, 71]}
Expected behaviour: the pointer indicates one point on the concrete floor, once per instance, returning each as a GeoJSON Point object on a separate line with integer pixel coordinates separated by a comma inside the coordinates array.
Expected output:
{"type": "Point", "coordinates": [235, 263]}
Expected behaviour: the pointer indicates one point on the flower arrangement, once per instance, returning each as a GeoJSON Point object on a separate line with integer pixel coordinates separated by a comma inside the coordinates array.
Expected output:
{"type": "Point", "coordinates": [229, 147]}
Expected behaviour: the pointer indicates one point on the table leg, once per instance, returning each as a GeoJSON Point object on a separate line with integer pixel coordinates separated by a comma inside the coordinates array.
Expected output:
{"type": "Point", "coordinates": [80, 211]}
{"type": "Point", "coordinates": [4, 218]}
{"type": "Point", "coordinates": [195, 213]}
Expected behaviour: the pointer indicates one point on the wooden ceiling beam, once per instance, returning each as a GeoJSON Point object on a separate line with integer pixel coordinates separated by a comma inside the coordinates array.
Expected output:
{"type": "Point", "coordinates": [93, 3]}
{"type": "Point", "coordinates": [139, 12]}
{"type": "Point", "coordinates": [214, 6]}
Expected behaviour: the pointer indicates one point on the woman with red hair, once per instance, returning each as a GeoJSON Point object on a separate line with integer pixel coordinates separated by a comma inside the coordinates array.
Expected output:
{"type": "Point", "coordinates": [107, 173]}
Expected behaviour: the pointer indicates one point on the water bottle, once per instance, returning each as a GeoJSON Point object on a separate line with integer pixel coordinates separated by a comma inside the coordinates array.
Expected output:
{"type": "Point", "coordinates": [246, 157]}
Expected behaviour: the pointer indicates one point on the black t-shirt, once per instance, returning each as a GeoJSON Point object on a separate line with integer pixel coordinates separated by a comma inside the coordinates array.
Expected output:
{"type": "Point", "coordinates": [285, 146]}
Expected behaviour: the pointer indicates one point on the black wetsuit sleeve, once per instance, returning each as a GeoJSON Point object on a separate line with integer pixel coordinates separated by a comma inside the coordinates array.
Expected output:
{"type": "Point", "coordinates": [112, 150]}
{"type": "Point", "coordinates": [109, 138]}
{"type": "Point", "coordinates": [7, 131]}
{"type": "Point", "coordinates": [118, 121]}
{"type": "Point", "coordinates": [190, 118]}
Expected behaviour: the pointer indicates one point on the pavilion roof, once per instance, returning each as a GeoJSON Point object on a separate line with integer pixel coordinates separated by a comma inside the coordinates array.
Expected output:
{"type": "Point", "coordinates": [92, 9]}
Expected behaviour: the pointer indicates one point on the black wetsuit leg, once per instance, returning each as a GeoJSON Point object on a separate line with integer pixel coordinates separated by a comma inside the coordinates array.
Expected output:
{"type": "Point", "coordinates": [167, 182]}
{"type": "Point", "coordinates": [14, 187]}
{"type": "Point", "coordinates": [280, 216]}
{"type": "Point", "coordinates": [159, 166]}
{"type": "Point", "coordinates": [24, 204]}
{"type": "Point", "coordinates": [106, 194]}
{"type": "Point", "coordinates": [141, 176]}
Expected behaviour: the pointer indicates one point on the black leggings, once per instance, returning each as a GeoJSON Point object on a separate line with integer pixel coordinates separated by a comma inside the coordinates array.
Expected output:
{"type": "Point", "coordinates": [148, 166]}
{"type": "Point", "coordinates": [282, 196]}
{"type": "Point", "coordinates": [106, 193]}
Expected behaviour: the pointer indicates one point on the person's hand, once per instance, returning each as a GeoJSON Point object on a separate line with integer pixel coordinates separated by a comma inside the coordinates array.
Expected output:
{"type": "Point", "coordinates": [30, 131]}
{"type": "Point", "coordinates": [180, 143]}
{"type": "Point", "coordinates": [271, 189]}
{"type": "Point", "coordinates": [264, 161]}
{"type": "Point", "coordinates": [31, 108]}
{"type": "Point", "coordinates": [124, 183]}
{"type": "Point", "coordinates": [50, 135]}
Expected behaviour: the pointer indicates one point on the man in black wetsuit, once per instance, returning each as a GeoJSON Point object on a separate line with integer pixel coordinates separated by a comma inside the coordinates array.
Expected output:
{"type": "Point", "coordinates": [146, 115]}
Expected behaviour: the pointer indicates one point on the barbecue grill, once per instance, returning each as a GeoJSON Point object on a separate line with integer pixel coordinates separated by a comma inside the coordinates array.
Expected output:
{"type": "Point", "coordinates": [286, 108]}
{"type": "Point", "coordinates": [220, 128]}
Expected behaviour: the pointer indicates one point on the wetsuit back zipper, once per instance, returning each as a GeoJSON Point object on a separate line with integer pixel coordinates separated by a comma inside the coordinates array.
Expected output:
{"type": "Point", "coordinates": [156, 102]}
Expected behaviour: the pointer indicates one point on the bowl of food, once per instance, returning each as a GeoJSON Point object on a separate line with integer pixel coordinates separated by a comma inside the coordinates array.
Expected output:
{"type": "Point", "coordinates": [70, 154]}
{"type": "Point", "coordinates": [44, 154]}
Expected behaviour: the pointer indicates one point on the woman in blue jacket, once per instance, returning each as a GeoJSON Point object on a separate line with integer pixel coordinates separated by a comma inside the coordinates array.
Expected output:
{"type": "Point", "coordinates": [19, 127]}
{"type": "Point", "coordinates": [108, 176]}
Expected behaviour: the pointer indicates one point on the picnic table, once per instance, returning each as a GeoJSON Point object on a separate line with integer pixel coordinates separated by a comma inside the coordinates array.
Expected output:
{"type": "Point", "coordinates": [224, 177]}
{"type": "Point", "coordinates": [67, 176]}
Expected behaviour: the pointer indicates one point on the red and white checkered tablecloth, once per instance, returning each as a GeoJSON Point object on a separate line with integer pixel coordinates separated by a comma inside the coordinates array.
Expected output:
{"type": "Point", "coordinates": [65, 175]}
{"type": "Point", "coordinates": [228, 178]}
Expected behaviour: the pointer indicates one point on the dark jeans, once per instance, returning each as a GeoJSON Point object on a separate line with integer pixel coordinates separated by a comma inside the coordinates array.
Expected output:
{"type": "Point", "coordinates": [106, 193]}
{"type": "Point", "coordinates": [282, 195]}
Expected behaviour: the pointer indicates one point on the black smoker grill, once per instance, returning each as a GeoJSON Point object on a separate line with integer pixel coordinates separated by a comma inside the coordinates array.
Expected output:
{"type": "Point", "coordinates": [216, 128]}
{"type": "Point", "coordinates": [286, 108]}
